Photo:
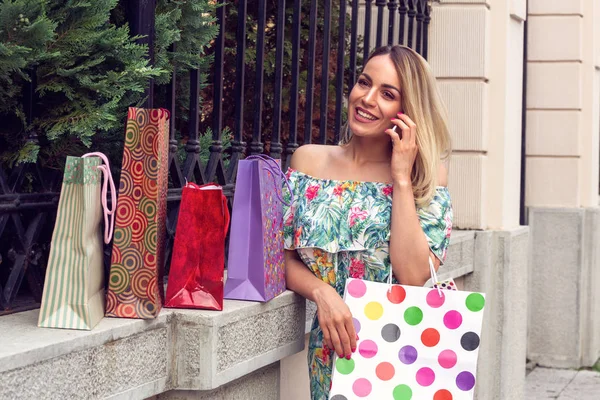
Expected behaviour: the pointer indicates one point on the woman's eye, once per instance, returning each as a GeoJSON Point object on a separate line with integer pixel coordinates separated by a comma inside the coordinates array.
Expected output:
{"type": "Point", "coordinates": [363, 82]}
{"type": "Point", "coordinates": [388, 95]}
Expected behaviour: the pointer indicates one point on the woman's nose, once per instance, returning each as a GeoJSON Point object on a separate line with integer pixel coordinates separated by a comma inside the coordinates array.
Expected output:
{"type": "Point", "coordinates": [369, 98]}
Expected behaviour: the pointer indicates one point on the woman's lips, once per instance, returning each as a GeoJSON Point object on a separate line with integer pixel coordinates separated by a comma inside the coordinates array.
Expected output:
{"type": "Point", "coordinates": [363, 119]}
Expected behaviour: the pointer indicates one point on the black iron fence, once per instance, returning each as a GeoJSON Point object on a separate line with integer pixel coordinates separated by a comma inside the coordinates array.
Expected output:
{"type": "Point", "coordinates": [29, 193]}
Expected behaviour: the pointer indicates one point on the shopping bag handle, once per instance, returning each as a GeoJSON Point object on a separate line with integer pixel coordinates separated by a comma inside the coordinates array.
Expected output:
{"type": "Point", "coordinates": [432, 272]}
{"type": "Point", "coordinates": [108, 226]}
{"type": "Point", "coordinates": [273, 167]}
{"type": "Point", "coordinates": [226, 214]}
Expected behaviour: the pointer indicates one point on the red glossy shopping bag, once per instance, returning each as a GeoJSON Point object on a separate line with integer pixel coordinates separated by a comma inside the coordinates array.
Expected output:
{"type": "Point", "coordinates": [198, 260]}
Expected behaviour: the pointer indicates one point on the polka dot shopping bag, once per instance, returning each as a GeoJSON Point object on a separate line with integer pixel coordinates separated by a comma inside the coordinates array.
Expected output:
{"type": "Point", "coordinates": [416, 343]}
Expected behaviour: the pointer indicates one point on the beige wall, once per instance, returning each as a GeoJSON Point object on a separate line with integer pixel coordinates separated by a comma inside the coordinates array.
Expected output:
{"type": "Point", "coordinates": [459, 56]}
{"type": "Point", "coordinates": [562, 103]}
{"type": "Point", "coordinates": [476, 52]}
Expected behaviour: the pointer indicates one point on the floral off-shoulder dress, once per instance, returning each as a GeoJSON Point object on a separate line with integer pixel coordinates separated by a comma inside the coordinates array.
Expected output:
{"type": "Point", "coordinates": [341, 229]}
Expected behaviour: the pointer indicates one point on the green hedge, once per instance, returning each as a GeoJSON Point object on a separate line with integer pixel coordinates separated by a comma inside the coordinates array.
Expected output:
{"type": "Point", "coordinates": [88, 69]}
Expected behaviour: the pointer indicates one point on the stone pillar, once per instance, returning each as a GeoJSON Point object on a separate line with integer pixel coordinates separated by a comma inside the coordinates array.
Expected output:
{"type": "Point", "coordinates": [459, 54]}
{"type": "Point", "coordinates": [563, 101]}
{"type": "Point", "coordinates": [476, 52]}
{"type": "Point", "coordinates": [500, 259]}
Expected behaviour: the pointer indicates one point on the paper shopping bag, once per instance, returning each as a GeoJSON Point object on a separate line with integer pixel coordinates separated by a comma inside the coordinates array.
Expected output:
{"type": "Point", "coordinates": [198, 260]}
{"type": "Point", "coordinates": [255, 269]}
{"type": "Point", "coordinates": [415, 343]}
{"type": "Point", "coordinates": [135, 282]}
{"type": "Point", "coordinates": [73, 295]}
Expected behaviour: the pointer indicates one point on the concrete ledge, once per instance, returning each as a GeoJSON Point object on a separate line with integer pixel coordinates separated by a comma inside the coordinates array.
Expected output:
{"type": "Point", "coordinates": [216, 348]}
{"type": "Point", "coordinates": [136, 359]}
{"type": "Point", "coordinates": [565, 305]}
{"type": "Point", "coordinates": [501, 259]}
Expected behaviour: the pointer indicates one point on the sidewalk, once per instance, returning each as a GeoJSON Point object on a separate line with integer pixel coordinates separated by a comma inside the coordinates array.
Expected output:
{"type": "Point", "coordinates": [562, 384]}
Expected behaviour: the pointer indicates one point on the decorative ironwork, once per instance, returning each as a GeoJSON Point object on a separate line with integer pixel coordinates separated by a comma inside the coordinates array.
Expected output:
{"type": "Point", "coordinates": [29, 194]}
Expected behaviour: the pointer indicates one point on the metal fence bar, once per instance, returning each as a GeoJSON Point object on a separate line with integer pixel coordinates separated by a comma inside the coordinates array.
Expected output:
{"type": "Point", "coordinates": [325, 72]}
{"type": "Point", "coordinates": [276, 147]}
{"type": "Point", "coordinates": [215, 169]}
{"type": "Point", "coordinates": [193, 169]}
{"type": "Point", "coordinates": [402, 10]}
{"type": "Point", "coordinates": [367, 36]}
{"type": "Point", "coordinates": [353, 41]}
{"type": "Point", "coordinates": [256, 146]}
{"type": "Point", "coordinates": [380, 4]}
{"type": "Point", "coordinates": [310, 80]}
{"type": "Point", "coordinates": [174, 164]}
{"type": "Point", "coordinates": [238, 145]}
{"type": "Point", "coordinates": [292, 144]}
{"type": "Point", "coordinates": [421, 4]}
{"type": "Point", "coordinates": [411, 21]}
{"type": "Point", "coordinates": [339, 82]}
{"type": "Point", "coordinates": [140, 15]}
{"type": "Point", "coordinates": [426, 22]}
{"type": "Point", "coordinates": [392, 6]}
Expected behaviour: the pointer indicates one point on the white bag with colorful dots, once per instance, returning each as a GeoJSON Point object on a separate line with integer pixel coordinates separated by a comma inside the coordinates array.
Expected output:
{"type": "Point", "coordinates": [415, 343]}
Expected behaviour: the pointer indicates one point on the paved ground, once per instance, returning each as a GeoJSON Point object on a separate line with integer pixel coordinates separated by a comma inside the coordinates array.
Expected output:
{"type": "Point", "coordinates": [562, 384]}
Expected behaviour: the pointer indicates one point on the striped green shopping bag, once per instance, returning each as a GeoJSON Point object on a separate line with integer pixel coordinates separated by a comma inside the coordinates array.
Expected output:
{"type": "Point", "coordinates": [74, 288]}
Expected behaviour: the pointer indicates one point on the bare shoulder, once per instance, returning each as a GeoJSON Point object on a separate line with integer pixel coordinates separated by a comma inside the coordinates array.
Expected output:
{"type": "Point", "coordinates": [442, 177]}
{"type": "Point", "coordinates": [310, 158]}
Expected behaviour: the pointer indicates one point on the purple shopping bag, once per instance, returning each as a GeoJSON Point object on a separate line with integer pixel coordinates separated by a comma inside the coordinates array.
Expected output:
{"type": "Point", "coordinates": [255, 268]}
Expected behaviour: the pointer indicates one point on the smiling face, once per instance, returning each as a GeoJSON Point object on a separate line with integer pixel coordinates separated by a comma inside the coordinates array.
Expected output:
{"type": "Point", "coordinates": [375, 98]}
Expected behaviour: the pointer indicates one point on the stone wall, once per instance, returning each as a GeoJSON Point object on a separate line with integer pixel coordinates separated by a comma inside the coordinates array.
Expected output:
{"type": "Point", "coordinates": [202, 354]}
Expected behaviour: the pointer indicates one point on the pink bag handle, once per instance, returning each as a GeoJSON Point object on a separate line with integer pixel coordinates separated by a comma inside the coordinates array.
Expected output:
{"type": "Point", "coordinates": [108, 227]}
{"type": "Point", "coordinates": [223, 199]}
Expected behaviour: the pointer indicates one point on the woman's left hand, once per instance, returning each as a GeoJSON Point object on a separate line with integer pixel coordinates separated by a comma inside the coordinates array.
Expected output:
{"type": "Point", "coordinates": [404, 152]}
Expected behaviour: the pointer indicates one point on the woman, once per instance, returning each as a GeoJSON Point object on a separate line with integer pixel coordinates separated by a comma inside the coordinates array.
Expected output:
{"type": "Point", "coordinates": [376, 203]}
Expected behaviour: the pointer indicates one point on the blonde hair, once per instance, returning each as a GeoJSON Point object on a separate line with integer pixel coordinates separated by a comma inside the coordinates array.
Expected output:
{"type": "Point", "coordinates": [421, 101]}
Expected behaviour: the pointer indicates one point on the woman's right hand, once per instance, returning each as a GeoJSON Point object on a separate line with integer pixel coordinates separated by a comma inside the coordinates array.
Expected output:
{"type": "Point", "coordinates": [335, 320]}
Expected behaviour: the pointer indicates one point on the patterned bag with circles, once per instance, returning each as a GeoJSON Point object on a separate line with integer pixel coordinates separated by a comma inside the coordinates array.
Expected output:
{"type": "Point", "coordinates": [416, 343]}
{"type": "Point", "coordinates": [135, 284]}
